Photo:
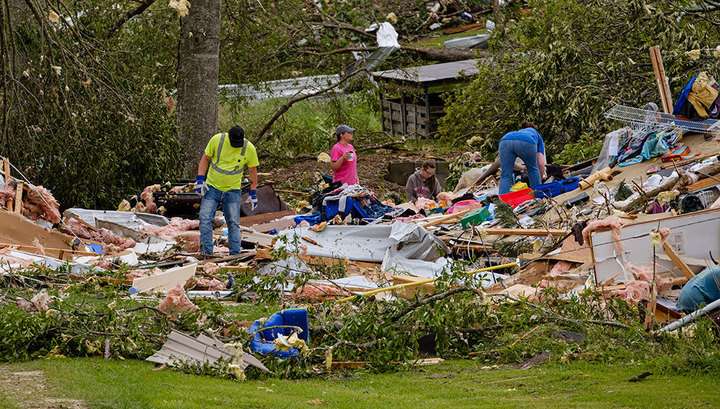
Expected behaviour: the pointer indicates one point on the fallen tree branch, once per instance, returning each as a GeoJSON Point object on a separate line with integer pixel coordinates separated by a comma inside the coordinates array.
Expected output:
{"type": "Point", "coordinates": [127, 16]}
{"type": "Point", "coordinates": [432, 299]}
{"type": "Point", "coordinates": [297, 98]}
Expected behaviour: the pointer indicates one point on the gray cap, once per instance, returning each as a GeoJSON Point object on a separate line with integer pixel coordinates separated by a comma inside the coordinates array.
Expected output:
{"type": "Point", "coordinates": [341, 129]}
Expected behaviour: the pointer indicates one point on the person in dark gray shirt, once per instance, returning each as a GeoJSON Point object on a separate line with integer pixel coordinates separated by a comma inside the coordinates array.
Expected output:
{"type": "Point", "coordinates": [423, 183]}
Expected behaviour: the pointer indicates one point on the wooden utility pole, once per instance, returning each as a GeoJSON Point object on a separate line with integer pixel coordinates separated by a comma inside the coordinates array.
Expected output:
{"type": "Point", "coordinates": [197, 81]}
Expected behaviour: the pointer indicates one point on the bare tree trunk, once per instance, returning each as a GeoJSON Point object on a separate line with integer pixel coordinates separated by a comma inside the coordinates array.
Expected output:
{"type": "Point", "coordinates": [197, 80]}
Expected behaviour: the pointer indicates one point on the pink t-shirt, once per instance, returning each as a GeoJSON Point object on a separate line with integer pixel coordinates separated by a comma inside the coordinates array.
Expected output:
{"type": "Point", "coordinates": [348, 170]}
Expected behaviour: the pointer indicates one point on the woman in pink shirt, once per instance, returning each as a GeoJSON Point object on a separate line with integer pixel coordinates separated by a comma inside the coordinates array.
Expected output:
{"type": "Point", "coordinates": [343, 157]}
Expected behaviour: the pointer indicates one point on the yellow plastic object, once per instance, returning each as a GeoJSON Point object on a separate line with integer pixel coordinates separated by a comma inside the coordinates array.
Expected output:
{"type": "Point", "coordinates": [519, 186]}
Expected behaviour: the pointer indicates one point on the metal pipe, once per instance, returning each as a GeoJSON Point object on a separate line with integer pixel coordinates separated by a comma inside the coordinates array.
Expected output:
{"type": "Point", "coordinates": [690, 317]}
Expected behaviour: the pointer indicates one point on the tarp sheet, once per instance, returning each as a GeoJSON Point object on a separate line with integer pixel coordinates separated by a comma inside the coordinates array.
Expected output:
{"type": "Point", "coordinates": [400, 247]}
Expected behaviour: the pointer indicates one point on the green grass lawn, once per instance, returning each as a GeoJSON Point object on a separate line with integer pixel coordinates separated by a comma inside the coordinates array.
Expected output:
{"type": "Point", "coordinates": [99, 383]}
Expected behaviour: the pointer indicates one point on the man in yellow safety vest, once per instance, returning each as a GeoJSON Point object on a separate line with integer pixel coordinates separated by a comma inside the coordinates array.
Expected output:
{"type": "Point", "coordinates": [219, 180]}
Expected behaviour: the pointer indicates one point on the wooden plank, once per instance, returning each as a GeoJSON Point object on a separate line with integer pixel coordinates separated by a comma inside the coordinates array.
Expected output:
{"type": "Point", "coordinates": [79, 220]}
{"type": "Point", "coordinates": [276, 225]}
{"type": "Point", "coordinates": [674, 163]}
{"type": "Point", "coordinates": [18, 197]}
{"type": "Point", "coordinates": [258, 238]}
{"type": "Point", "coordinates": [661, 79]}
{"type": "Point", "coordinates": [526, 232]}
{"type": "Point", "coordinates": [61, 254]}
{"type": "Point", "coordinates": [248, 221]}
{"type": "Point", "coordinates": [702, 184]}
{"type": "Point", "coordinates": [6, 166]}
{"type": "Point", "coordinates": [679, 263]}
{"type": "Point", "coordinates": [462, 29]}
{"type": "Point", "coordinates": [166, 280]}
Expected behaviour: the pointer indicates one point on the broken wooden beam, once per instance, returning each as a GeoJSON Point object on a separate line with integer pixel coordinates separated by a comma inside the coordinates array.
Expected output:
{"type": "Point", "coordinates": [18, 197]}
{"type": "Point", "coordinates": [679, 263]}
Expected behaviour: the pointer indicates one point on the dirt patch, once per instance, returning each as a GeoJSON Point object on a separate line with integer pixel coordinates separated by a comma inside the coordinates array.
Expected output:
{"type": "Point", "coordinates": [28, 390]}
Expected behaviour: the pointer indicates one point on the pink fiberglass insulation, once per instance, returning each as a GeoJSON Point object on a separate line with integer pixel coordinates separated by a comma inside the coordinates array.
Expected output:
{"type": "Point", "coordinates": [104, 236]}
{"type": "Point", "coordinates": [635, 291]}
{"type": "Point", "coordinates": [645, 273]}
{"type": "Point", "coordinates": [613, 223]}
{"type": "Point", "coordinates": [317, 291]}
{"type": "Point", "coordinates": [6, 258]}
{"type": "Point", "coordinates": [43, 205]}
{"type": "Point", "coordinates": [664, 233]}
{"type": "Point", "coordinates": [38, 246]}
{"type": "Point", "coordinates": [141, 272]}
{"type": "Point", "coordinates": [204, 284]}
{"type": "Point", "coordinates": [176, 301]}
{"type": "Point", "coordinates": [639, 289]}
{"type": "Point", "coordinates": [7, 194]}
{"type": "Point", "coordinates": [176, 226]}
{"type": "Point", "coordinates": [424, 203]}
{"type": "Point", "coordinates": [210, 268]}
{"type": "Point", "coordinates": [190, 241]}
{"type": "Point", "coordinates": [560, 268]}
{"type": "Point", "coordinates": [102, 263]}
{"type": "Point", "coordinates": [448, 197]}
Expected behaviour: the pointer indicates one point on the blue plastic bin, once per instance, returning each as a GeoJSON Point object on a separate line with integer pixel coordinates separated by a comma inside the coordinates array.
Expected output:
{"type": "Point", "coordinates": [262, 341]}
{"type": "Point", "coordinates": [551, 189]}
{"type": "Point", "coordinates": [568, 185]}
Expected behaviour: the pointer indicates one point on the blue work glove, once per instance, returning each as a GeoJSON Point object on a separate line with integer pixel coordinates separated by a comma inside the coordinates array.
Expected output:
{"type": "Point", "coordinates": [253, 198]}
{"type": "Point", "coordinates": [200, 186]}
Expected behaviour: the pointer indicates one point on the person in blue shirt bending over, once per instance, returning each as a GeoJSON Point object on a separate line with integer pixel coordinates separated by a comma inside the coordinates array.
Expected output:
{"type": "Point", "coordinates": [526, 144]}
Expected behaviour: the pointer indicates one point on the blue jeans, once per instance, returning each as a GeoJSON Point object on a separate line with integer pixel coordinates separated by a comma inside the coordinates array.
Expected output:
{"type": "Point", "coordinates": [507, 152]}
{"type": "Point", "coordinates": [231, 209]}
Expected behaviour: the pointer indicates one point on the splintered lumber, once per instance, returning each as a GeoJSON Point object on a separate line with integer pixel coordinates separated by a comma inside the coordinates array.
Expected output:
{"type": "Point", "coordinates": [679, 163]}
{"type": "Point", "coordinates": [603, 174]}
{"type": "Point", "coordinates": [679, 263]}
{"type": "Point", "coordinates": [498, 231]}
{"type": "Point", "coordinates": [6, 167]}
{"type": "Point", "coordinates": [60, 254]}
{"type": "Point", "coordinates": [18, 197]}
{"type": "Point", "coordinates": [661, 79]}
{"type": "Point", "coordinates": [702, 184]}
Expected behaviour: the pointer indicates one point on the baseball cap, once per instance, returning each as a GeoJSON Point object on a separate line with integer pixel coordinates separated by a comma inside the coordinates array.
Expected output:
{"type": "Point", "coordinates": [237, 136]}
{"type": "Point", "coordinates": [341, 129]}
